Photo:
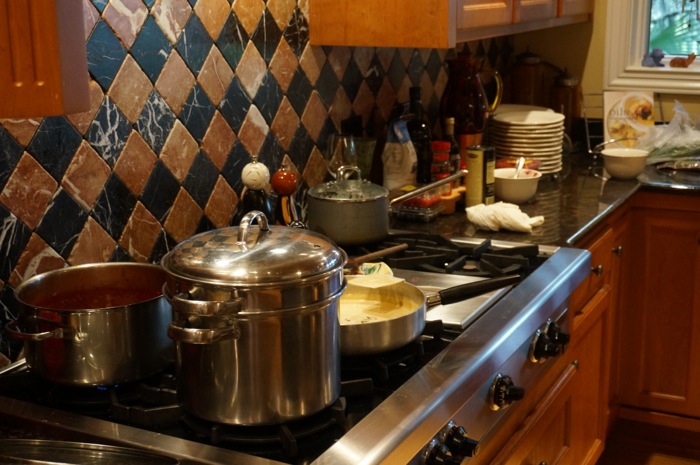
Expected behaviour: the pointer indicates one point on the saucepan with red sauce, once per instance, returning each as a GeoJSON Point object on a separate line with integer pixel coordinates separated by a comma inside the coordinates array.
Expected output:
{"type": "Point", "coordinates": [95, 324]}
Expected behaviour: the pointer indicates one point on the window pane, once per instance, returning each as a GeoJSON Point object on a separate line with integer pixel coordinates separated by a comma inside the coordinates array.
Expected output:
{"type": "Point", "coordinates": [674, 26]}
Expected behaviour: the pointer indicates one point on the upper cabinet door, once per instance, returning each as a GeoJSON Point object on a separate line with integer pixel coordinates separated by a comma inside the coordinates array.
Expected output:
{"type": "Point", "coordinates": [480, 13]}
{"type": "Point", "coordinates": [43, 61]}
{"type": "Point", "coordinates": [535, 10]}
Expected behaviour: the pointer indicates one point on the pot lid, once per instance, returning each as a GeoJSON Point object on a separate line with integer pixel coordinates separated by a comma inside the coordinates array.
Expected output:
{"type": "Point", "coordinates": [39, 451]}
{"type": "Point", "coordinates": [349, 189]}
{"type": "Point", "coordinates": [249, 255]}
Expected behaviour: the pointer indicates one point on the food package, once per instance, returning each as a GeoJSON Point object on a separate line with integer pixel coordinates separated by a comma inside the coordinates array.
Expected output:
{"type": "Point", "coordinates": [628, 115]}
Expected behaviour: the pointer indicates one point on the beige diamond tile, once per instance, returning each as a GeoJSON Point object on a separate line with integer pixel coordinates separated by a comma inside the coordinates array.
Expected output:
{"type": "Point", "coordinates": [38, 257]}
{"type": "Point", "coordinates": [126, 17]}
{"type": "Point", "coordinates": [251, 69]}
{"type": "Point", "coordinates": [213, 15]}
{"type": "Point", "coordinates": [363, 58]}
{"type": "Point", "coordinates": [283, 65]}
{"type": "Point", "coordinates": [140, 234]}
{"type": "Point", "coordinates": [130, 89]}
{"type": "Point", "coordinates": [28, 191]}
{"type": "Point", "coordinates": [315, 169]}
{"type": "Point", "coordinates": [94, 245]}
{"type": "Point", "coordinates": [135, 163]}
{"type": "Point", "coordinates": [312, 61]}
{"type": "Point", "coordinates": [175, 82]}
{"type": "Point", "coordinates": [364, 101]}
{"type": "Point", "coordinates": [339, 59]}
{"type": "Point", "coordinates": [179, 151]}
{"type": "Point", "coordinates": [249, 13]}
{"type": "Point", "coordinates": [303, 6]}
{"type": "Point", "coordinates": [314, 115]}
{"type": "Point", "coordinates": [171, 16]}
{"type": "Point", "coordinates": [222, 204]}
{"type": "Point", "coordinates": [22, 129]}
{"type": "Point", "coordinates": [218, 141]}
{"type": "Point", "coordinates": [90, 17]}
{"type": "Point", "coordinates": [86, 176]}
{"type": "Point", "coordinates": [386, 97]}
{"type": "Point", "coordinates": [253, 131]}
{"type": "Point", "coordinates": [406, 54]}
{"type": "Point", "coordinates": [184, 217]}
{"type": "Point", "coordinates": [385, 56]}
{"type": "Point", "coordinates": [215, 76]}
{"type": "Point", "coordinates": [285, 124]}
{"type": "Point", "coordinates": [282, 11]}
{"type": "Point", "coordinates": [82, 121]}
{"type": "Point", "coordinates": [341, 108]}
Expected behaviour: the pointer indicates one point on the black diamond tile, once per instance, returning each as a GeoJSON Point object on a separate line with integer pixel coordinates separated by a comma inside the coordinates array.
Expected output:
{"type": "Point", "coordinates": [205, 224]}
{"type": "Point", "coordinates": [434, 65]}
{"type": "Point", "coordinates": [100, 4]}
{"type": "Point", "coordinates": [416, 68]}
{"type": "Point", "coordinates": [327, 85]}
{"type": "Point", "coordinates": [266, 36]}
{"type": "Point", "coordinates": [194, 44]}
{"type": "Point", "coordinates": [15, 238]}
{"type": "Point", "coordinates": [151, 49]}
{"type": "Point", "coordinates": [164, 243]}
{"type": "Point", "coordinates": [155, 122]}
{"type": "Point", "coordinates": [105, 54]}
{"type": "Point", "coordinates": [235, 162]}
{"type": "Point", "coordinates": [109, 131]}
{"type": "Point", "coordinates": [232, 40]}
{"type": "Point", "coordinates": [299, 91]}
{"type": "Point", "coordinates": [396, 71]}
{"type": "Point", "coordinates": [9, 346]}
{"type": "Point", "coordinates": [301, 147]}
{"type": "Point", "coordinates": [297, 32]}
{"type": "Point", "coordinates": [271, 153]}
{"type": "Point", "coordinates": [235, 104]}
{"type": "Point", "coordinates": [201, 179]}
{"type": "Point", "coordinates": [160, 192]}
{"type": "Point", "coordinates": [120, 255]}
{"type": "Point", "coordinates": [54, 145]}
{"type": "Point", "coordinates": [62, 223]}
{"type": "Point", "coordinates": [10, 153]}
{"type": "Point", "coordinates": [352, 79]}
{"type": "Point", "coordinates": [149, 3]}
{"type": "Point", "coordinates": [269, 97]}
{"type": "Point", "coordinates": [197, 113]}
{"type": "Point", "coordinates": [375, 76]}
{"type": "Point", "coordinates": [114, 206]}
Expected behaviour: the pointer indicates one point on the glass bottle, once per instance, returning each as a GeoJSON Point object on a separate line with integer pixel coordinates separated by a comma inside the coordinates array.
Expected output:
{"type": "Point", "coordinates": [421, 136]}
{"type": "Point", "coordinates": [449, 134]}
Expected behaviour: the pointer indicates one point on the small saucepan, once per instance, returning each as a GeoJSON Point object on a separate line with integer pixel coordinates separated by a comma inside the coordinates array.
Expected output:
{"type": "Point", "coordinates": [382, 318]}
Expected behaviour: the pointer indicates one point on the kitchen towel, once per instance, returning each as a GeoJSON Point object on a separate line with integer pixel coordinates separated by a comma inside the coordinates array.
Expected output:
{"type": "Point", "coordinates": [501, 215]}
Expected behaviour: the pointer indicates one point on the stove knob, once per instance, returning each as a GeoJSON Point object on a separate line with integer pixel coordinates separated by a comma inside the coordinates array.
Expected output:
{"type": "Point", "coordinates": [436, 453]}
{"type": "Point", "coordinates": [504, 392]}
{"type": "Point", "coordinates": [458, 442]}
{"type": "Point", "coordinates": [542, 347]}
{"type": "Point", "coordinates": [557, 335]}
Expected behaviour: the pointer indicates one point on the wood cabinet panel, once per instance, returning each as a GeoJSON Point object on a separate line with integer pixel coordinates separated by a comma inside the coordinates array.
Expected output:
{"type": "Point", "coordinates": [480, 13]}
{"type": "Point", "coordinates": [534, 10]}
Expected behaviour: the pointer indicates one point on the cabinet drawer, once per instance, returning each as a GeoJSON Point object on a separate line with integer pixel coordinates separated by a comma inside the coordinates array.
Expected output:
{"type": "Point", "coordinates": [601, 265]}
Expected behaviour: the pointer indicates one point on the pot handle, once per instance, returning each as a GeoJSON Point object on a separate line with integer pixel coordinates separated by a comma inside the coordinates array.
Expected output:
{"type": "Point", "coordinates": [58, 333]}
{"type": "Point", "coordinates": [244, 225]}
{"type": "Point", "coordinates": [427, 187]}
{"type": "Point", "coordinates": [201, 335]}
{"type": "Point", "coordinates": [184, 306]}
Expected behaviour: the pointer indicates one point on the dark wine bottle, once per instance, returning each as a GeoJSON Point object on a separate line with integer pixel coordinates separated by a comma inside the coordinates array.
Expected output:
{"type": "Point", "coordinates": [421, 136]}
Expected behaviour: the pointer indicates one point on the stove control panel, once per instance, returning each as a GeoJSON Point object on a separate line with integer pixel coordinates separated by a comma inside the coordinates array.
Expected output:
{"type": "Point", "coordinates": [504, 392]}
{"type": "Point", "coordinates": [451, 446]}
{"type": "Point", "coordinates": [549, 341]}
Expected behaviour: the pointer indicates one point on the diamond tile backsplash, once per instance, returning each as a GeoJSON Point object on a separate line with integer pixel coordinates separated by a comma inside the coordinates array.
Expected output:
{"type": "Point", "coordinates": [182, 94]}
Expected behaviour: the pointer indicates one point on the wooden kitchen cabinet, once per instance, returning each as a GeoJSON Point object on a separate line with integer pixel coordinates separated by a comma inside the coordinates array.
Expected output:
{"type": "Point", "coordinates": [434, 24]}
{"type": "Point", "coordinates": [43, 62]}
{"type": "Point", "coordinates": [658, 369]}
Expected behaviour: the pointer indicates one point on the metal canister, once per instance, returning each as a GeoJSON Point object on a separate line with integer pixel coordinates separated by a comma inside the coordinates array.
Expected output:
{"type": "Point", "coordinates": [481, 164]}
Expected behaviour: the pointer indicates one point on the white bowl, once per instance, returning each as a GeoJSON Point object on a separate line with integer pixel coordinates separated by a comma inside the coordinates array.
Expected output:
{"type": "Point", "coordinates": [516, 190]}
{"type": "Point", "coordinates": [624, 163]}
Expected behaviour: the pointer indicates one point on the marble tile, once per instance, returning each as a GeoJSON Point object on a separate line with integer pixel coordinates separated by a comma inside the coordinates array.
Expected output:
{"type": "Point", "coordinates": [251, 70]}
{"type": "Point", "coordinates": [151, 49]}
{"type": "Point", "coordinates": [201, 179]}
{"type": "Point", "coordinates": [197, 113]}
{"type": "Point", "coordinates": [85, 176]}
{"type": "Point", "coordinates": [296, 34]}
{"type": "Point", "coordinates": [222, 203]}
{"type": "Point", "coordinates": [135, 163]}
{"type": "Point", "coordinates": [38, 257]}
{"type": "Point", "coordinates": [215, 76]}
{"type": "Point", "coordinates": [130, 89]}
{"type": "Point", "coordinates": [90, 17]}
{"type": "Point", "coordinates": [15, 236]}
{"type": "Point", "coordinates": [283, 65]}
{"type": "Point", "coordinates": [253, 131]}
{"type": "Point", "coordinates": [184, 217]}
{"type": "Point", "coordinates": [53, 145]}
{"type": "Point", "coordinates": [235, 104]}
{"type": "Point", "coordinates": [281, 11]}
{"type": "Point", "coordinates": [21, 129]}
{"type": "Point", "coordinates": [249, 13]}
{"type": "Point", "coordinates": [114, 206]}
{"type": "Point", "coordinates": [232, 40]}
{"type": "Point", "coordinates": [266, 36]}
{"type": "Point", "coordinates": [328, 84]}
{"type": "Point", "coordinates": [140, 234]}
{"type": "Point", "coordinates": [179, 151]}
{"type": "Point", "coordinates": [268, 97]}
{"type": "Point", "coordinates": [10, 153]}
{"type": "Point", "coordinates": [81, 121]}
{"type": "Point", "coordinates": [194, 44]}
{"type": "Point", "coordinates": [160, 191]}
{"type": "Point", "coordinates": [212, 14]}
{"type": "Point", "coordinates": [62, 222]}
{"type": "Point", "coordinates": [109, 131]}
{"type": "Point", "coordinates": [218, 140]}
{"type": "Point", "coordinates": [314, 116]}
{"type": "Point", "coordinates": [28, 191]}
{"type": "Point", "coordinates": [299, 91]}
{"type": "Point", "coordinates": [285, 123]}
{"type": "Point", "coordinates": [105, 54]}
{"type": "Point", "coordinates": [175, 82]}
{"type": "Point", "coordinates": [155, 122]}
{"type": "Point", "coordinates": [93, 245]}
{"type": "Point", "coordinates": [171, 16]}
{"type": "Point", "coordinates": [340, 108]}
{"type": "Point", "coordinates": [126, 17]}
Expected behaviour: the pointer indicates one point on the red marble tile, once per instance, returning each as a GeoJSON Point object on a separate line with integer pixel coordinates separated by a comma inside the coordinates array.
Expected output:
{"type": "Point", "coordinates": [22, 129]}
{"type": "Point", "coordinates": [364, 102]}
{"type": "Point", "coordinates": [285, 124]}
{"type": "Point", "coordinates": [90, 17]}
{"type": "Point", "coordinates": [218, 141]}
{"type": "Point", "coordinates": [314, 115]}
{"type": "Point", "coordinates": [85, 176]}
{"type": "Point", "coordinates": [283, 65]}
{"type": "Point", "coordinates": [135, 163]}
{"type": "Point", "coordinates": [362, 56]}
{"type": "Point", "coordinates": [171, 16]}
{"type": "Point", "coordinates": [222, 204]}
{"type": "Point", "coordinates": [253, 131]}
{"type": "Point", "coordinates": [249, 13]}
{"type": "Point", "coordinates": [386, 97]}
{"type": "Point", "coordinates": [130, 89]}
{"type": "Point", "coordinates": [184, 217]}
{"type": "Point", "coordinates": [175, 82]}
{"type": "Point", "coordinates": [94, 245]}
{"type": "Point", "coordinates": [315, 169]}
{"type": "Point", "coordinates": [38, 257]}
{"type": "Point", "coordinates": [140, 234]}
{"type": "Point", "coordinates": [28, 191]}
{"type": "Point", "coordinates": [341, 108]}
{"type": "Point", "coordinates": [251, 69]}
{"type": "Point", "coordinates": [215, 76]}
{"type": "Point", "coordinates": [179, 151]}
{"type": "Point", "coordinates": [281, 11]}
{"type": "Point", "coordinates": [312, 61]}
{"type": "Point", "coordinates": [339, 58]}
{"type": "Point", "coordinates": [125, 17]}
{"type": "Point", "coordinates": [82, 120]}
{"type": "Point", "coordinates": [212, 14]}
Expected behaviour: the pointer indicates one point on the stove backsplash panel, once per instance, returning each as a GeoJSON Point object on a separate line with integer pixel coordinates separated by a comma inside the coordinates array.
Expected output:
{"type": "Point", "coordinates": [183, 93]}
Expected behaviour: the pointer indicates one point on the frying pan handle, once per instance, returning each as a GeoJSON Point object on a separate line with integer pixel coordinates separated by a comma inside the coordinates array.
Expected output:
{"type": "Point", "coordinates": [469, 290]}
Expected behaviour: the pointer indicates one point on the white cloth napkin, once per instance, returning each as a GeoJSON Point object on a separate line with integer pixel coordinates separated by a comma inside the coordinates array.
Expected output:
{"type": "Point", "coordinates": [501, 215]}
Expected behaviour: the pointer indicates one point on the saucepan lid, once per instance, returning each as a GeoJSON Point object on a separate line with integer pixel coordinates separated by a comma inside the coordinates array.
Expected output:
{"type": "Point", "coordinates": [45, 452]}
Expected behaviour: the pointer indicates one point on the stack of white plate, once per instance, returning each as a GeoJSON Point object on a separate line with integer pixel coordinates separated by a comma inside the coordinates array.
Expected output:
{"type": "Point", "coordinates": [536, 135]}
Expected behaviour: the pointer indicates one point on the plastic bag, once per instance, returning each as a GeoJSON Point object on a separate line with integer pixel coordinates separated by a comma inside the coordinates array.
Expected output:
{"type": "Point", "coordinates": [399, 157]}
{"type": "Point", "coordinates": [677, 139]}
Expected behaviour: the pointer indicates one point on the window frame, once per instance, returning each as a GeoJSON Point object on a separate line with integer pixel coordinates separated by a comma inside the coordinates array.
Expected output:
{"type": "Point", "coordinates": [626, 41]}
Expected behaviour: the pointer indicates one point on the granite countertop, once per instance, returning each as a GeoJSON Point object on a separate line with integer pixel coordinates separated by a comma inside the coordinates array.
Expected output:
{"type": "Point", "coordinates": [572, 203]}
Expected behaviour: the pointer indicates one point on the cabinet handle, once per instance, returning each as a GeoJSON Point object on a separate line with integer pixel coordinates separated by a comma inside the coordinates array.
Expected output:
{"type": "Point", "coordinates": [617, 250]}
{"type": "Point", "coordinates": [598, 270]}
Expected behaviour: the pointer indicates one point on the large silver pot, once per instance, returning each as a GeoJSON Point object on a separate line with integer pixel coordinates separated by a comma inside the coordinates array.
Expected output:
{"type": "Point", "coordinates": [256, 322]}
{"type": "Point", "coordinates": [96, 324]}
